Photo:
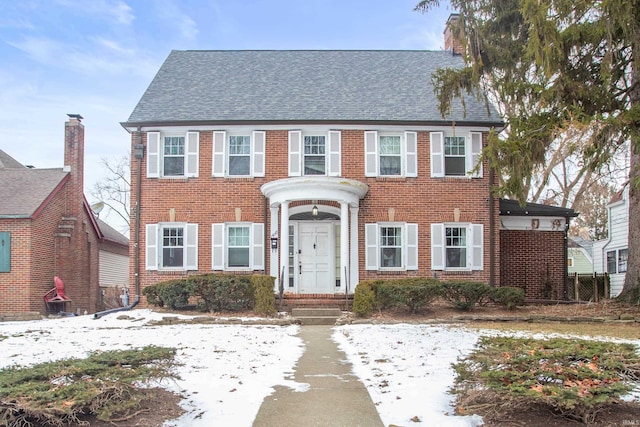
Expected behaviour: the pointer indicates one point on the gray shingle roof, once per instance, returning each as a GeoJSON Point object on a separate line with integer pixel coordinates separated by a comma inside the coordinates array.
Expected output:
{"type": "Point", "coordinates": [304, 86]}
{"type": "Point", "coordinates": [24, 190]}
{"type": "Point", "coordinates": [8, 162]}
{"type": "Point", "coordinates": [112, 234]}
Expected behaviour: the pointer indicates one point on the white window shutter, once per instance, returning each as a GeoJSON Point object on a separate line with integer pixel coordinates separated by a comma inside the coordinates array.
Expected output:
{"type": "Point", "coordinates": [193, 144]}
{"type": "Point", "coordinates": [411, 154]}
{"type": "Point", "coordinates": [151, 245]}
{"type": "Point", "coordinates": [437, 154]}
{"type": "Point", "coordinates": [411, 239]}
{"type": "Point", "coordinates": [257, 246]}
{"type": "Point", "coordinates": [257, 153]}
{"type": "Point", "coordinates": [217, 246]}
{"type": "Point", "coordinates": [295, 153]}
{"type": "Point", "coordinates": [219, 149]}
{"type": "Point", "coordinates": [475, 154]}
{"type": "Point", "coordinates": [335, 142]}
{"type": "Point", "coordinates": [477, 261]}
{"type": "Point", "coordinates": [371, 153]}
{"type": "Point", "coordinates": [191, 247]}
{"type": "Point", "coordinates": [437, 246]}
{"type": "Point", "coordinates": [371, 244]}
{"type": "Point", "coordinates": [153, 154]}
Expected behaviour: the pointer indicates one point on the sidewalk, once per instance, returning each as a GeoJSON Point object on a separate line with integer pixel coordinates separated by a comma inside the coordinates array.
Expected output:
{"type": "Point", "coordinates": [336, 397]}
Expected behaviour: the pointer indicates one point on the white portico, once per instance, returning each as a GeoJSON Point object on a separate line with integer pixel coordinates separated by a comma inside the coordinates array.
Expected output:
{"type": "Point", "coordinates": [318, 247]}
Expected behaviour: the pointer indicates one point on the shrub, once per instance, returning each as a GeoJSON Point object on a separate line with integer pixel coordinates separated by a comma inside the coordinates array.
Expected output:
{"type": "Point", "coordinates": [464, 295]}
{"type": "Point", "coordinates": [171, 294]}
{"type": "Point", "coordinates": [508, 296]}
{"type": "Point", "coordinates": [223, 292]}
{"type": "Point", "coordinates": [265, 300]}
{"type": "Point", "coordinates": [575, 378]}
{"type": "Point", "coordinates": [413, 294]}
{"type": "Point", "coordinates": [364, 299]}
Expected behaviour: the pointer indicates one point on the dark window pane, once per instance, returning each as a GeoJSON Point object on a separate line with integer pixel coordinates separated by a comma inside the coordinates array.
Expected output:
{"type": "Point", "coordinates": [314, 165]}
{"type": "Point", "coordinates": [238, 257]}
{"type": "Point", "coordinates": [391, 257]}
{"type": "Point", "coordinates": [390, 165]}
{"type": "Point", "coordinates": [239, 165]}
{"type": "Point", "coordinates": [454, 166]}
{"type": "Point", "coordinates": [172, 257]}
{"type": "Point", "coordinates": [622, 260]}
{"type": "Point", "coordinates": [174, 166]}
{"type": "Point", "coordinates": [611, 262]}
{"type": "Point", "coordinates": [456, 257]}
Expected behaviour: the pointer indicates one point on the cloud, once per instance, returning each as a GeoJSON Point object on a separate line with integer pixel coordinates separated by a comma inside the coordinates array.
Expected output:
{"type": "Point", "coordinates": [170, 12]}
{"type": "Point", "coordinates": [120, 11]}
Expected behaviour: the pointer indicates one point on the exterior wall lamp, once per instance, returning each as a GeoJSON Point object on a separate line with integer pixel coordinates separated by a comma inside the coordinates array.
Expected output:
{"type": "Point", "coordinates": [314, 210]}
{"type": "Point", "coordinates": [274, 243]}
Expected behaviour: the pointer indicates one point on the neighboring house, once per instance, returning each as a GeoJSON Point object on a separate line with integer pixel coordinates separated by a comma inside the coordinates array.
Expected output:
{"type": "Point", "coordinates": [610, 255]}
{"type": "Point", "coordinates": [580, 256]}
{"type": "Point", "coordinates": [319, 168]}
{"type": "Point", "coordinates": [533, 248]}
{"type": "Point", "coordinates": [47, 229]}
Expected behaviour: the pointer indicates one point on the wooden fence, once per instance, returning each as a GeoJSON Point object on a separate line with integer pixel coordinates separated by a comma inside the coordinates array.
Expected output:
{"type": "Point", "coordinates": [588, 287]}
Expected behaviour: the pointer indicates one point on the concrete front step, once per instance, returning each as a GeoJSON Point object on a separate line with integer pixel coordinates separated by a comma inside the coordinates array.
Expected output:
{"type": "Point", "coordinates": [316, 316]}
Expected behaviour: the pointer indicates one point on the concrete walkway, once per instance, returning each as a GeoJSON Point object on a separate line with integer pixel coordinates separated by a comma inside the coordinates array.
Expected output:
{"type": "Point", "coordinates": [336, 397]}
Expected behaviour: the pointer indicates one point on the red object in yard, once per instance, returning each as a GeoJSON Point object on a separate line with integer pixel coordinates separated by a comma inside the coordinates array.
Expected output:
{"type": "Point", "coordinates": [56, 296]}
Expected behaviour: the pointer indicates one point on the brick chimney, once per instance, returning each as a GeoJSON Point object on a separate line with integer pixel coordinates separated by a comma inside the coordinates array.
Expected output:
{"type": "Point", "coordinates": [452, 43]}
{"type": "Point", "coordinates": [74, 159]}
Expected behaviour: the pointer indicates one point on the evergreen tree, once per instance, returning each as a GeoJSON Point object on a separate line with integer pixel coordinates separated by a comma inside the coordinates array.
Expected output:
{"type": "Point", "coordinates": [554, 66]}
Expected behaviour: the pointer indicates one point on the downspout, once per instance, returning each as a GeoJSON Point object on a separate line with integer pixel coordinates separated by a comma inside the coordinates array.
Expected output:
{"type": "Point", "coordinates": [267, 241]}
{"type": "Point", "coordinates": [492, 226]}
{"type": "Point", "coordinates": [138, 153]}
{"type": "Point", "coordinates": [566, 257]}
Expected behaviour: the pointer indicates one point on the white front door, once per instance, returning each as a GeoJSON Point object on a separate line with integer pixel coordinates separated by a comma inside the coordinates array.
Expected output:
{"type": "Point", "coordinates": [316, 258]}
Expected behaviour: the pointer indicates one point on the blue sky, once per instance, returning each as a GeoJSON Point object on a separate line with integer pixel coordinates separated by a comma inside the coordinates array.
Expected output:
{"type": "Point", "coordinates": [97, 57]}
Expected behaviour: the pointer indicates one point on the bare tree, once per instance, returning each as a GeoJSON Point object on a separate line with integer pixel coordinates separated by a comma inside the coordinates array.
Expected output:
{"type": "Point", "coordinates": [114, 190]}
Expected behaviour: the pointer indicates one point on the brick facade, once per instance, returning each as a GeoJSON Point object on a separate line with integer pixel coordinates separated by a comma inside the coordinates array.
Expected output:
{"type": "Point", "coordinates": [421, 200]}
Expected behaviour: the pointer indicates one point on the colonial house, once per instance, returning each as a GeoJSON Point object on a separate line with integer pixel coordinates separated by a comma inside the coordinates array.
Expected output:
{"type": "Point", "coordinates": [610, 254]}
{"type": "Point", "coordinates": [319, 168]}
{"type": "Point", "coordinates": [47, 229]}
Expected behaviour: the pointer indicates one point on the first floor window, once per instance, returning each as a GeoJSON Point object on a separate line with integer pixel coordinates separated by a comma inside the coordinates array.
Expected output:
{"type": "Point", "coordinates": [391, 247]}
{"type": "Point", "coordinates": [456, 247]}
{"type": "Point", "coordinates": [238, 246]}
{"type": "Point", "coordinates": [173, 155]}
{"type": "Point", "coordinates": [239, 155]}
{"type": "Point", "coordinates": [172, 246]}
{"type": "Point", "coordinates": [617, 261]}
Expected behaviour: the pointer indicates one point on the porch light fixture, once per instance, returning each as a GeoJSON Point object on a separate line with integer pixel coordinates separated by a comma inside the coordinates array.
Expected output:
{"type": "Point", "coordinates": [274, 243]}
{"type": "Point", "coordinates": [314, 210]}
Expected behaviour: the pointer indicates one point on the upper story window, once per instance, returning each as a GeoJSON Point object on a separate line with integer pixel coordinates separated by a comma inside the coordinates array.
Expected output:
{"type": "Point", "coordinates": [390, 154]}
{"type": "Point", "coordinates": [391, 246]}
{"type": "Point", "coordinates": [457, 246]}
{"type": "Point", "coordinates": [172, 154]}
{"type": "Point", "coordinates": [314, 153]}
{"type": "Point", "coordinates": [238, 154]}
{"type": "Point", "coordinates": [172, 246]}
{"type": "Point", "coordinates": [456, 156]}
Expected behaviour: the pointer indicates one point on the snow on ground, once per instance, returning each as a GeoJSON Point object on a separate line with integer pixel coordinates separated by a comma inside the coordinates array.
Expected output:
{"type": "Point", "coordinates": [228, 370]}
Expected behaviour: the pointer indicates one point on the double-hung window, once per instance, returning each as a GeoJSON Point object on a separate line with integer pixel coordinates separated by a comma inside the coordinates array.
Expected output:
{"type": "Point", "coordinates": [456, 156]}
{"type": "Point", "coordinates": [617, 261]}
{"type": "Point", "coordinates": [172, 246]}
{"type": "Point", "coordinates": [391, 246]}
{"type": "Point", "coordinates": [457, 246]}
{"type": "Point", "coordinates": [238, 154]}
{"type": "Point", "coordinates": [314, 153]}
{"type": "Point", "coordinates": [391, 154]}
{"type": "Point", "coordinates": [237, 246]}
{"type": "Point", "coordinates": [172, 154]}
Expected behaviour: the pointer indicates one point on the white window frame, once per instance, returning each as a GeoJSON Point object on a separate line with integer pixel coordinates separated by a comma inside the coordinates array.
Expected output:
{"type": "Point", "coordinates": [473, 153]}
{"type": "Point", "coordinates": [154, 246]}
{"type": "Point", "coordinates": [474, 246]}
{"type": "Point", "coordinates": [409, 246]}
{"type": "Point", "coordinates": [221, 153]}
{"type": "Point", "coordinates": [408, 153]}
{"type": "Point", "coordinates": [617, 261]}
{"type": "Point", "coordinates": [155, 154]}
{"type": "Point", "coordinates": [220, 246]}
{"type": "Point", "coordinates": [332, 155]}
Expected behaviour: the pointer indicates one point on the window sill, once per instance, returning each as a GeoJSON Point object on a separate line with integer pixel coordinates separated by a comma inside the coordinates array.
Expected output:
{"type": "Point", "coordinates": [238, 178]}
{"type": "Point", "coordinates": [391, 178]}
